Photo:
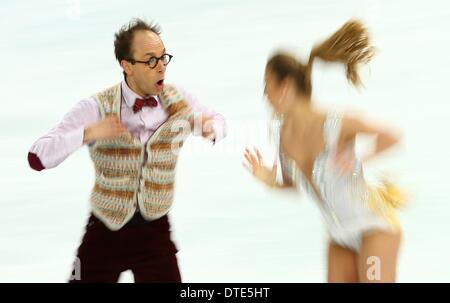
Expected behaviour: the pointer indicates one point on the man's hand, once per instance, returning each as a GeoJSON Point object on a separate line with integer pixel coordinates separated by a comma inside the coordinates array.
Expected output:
{"type": "Point", "coordinates": [107, 128]}
{"type": "Point", "coordinates": [207, 128]}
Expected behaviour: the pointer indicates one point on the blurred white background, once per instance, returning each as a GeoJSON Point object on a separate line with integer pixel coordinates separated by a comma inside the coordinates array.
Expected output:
{"type": "Point", "coordinates": [227, 227]}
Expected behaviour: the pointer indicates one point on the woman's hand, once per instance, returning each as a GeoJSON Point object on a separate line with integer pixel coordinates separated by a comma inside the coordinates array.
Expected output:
{"type": "Point", "coordinates": [254, 165]}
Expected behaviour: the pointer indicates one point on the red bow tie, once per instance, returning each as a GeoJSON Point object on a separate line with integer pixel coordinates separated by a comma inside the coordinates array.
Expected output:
{"type": "Point", "coordinates": [140, 103]}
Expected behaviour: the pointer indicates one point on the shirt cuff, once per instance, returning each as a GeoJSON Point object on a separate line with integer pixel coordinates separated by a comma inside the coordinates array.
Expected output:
{"type": "Point", "coordinates": [34, 162]}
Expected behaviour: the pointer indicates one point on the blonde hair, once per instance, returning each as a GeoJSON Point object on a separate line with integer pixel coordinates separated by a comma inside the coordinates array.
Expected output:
{"type": "Point", "coordinates": [349, 45]}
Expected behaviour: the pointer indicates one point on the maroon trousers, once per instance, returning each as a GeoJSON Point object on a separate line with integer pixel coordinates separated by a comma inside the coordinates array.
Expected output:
{"type": "Point", "coordinates": [144, 247]}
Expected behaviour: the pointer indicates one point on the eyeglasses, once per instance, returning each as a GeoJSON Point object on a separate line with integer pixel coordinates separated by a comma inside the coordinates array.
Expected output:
{"type": "Point", "coordinates": [153, 61]}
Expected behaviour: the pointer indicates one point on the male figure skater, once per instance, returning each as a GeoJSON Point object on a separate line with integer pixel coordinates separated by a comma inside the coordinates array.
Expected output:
{"type": "Point", "coordinates": [134, 131]}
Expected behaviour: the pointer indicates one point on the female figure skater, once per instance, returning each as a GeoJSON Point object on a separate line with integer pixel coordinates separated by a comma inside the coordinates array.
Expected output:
{"type": "Point", "coordinates": [319, 146]}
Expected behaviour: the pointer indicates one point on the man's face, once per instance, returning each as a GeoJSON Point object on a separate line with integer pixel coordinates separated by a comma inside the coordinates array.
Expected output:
{"type": "Point", "coordinates": [149, 81]}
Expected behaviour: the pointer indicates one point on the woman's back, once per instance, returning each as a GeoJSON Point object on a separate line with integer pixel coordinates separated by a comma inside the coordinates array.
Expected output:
{"type": "Point", "coordinates": [315, 158]}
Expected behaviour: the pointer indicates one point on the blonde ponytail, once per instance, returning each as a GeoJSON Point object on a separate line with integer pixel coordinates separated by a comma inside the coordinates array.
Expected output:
{"type": "Point", "coordinates": [348, 45]}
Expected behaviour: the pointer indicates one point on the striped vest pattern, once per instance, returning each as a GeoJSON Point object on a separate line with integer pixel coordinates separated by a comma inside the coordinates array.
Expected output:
{"type": "Point", "coordinates": [124, 179]}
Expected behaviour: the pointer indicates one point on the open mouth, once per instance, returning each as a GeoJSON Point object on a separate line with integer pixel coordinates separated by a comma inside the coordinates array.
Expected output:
{"type": "Point", "coordinates": [160, 83]}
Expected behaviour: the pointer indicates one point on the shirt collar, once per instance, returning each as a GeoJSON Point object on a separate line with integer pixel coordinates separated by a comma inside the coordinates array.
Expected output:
{"type": "Point", "coordinates": [129, 95]}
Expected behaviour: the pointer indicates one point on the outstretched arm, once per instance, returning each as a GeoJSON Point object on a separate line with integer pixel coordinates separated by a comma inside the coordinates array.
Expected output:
{"type": "Point", "coordinates": [63, 139]}
{"type": "Point", "coordinates": [80, 125]}
{"type": "Point", "coordinates": [213, 126]}
{"type": "Point", "coordinates": [351, 126]}
{"type": "Point", "coordinates": [254, 164]}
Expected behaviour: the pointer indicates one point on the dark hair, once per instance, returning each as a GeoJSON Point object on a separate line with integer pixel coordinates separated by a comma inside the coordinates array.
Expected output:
{"type": "Point", "coordinates": [348, 45]}
{"type": "Point", "coordinates": [124, 37]}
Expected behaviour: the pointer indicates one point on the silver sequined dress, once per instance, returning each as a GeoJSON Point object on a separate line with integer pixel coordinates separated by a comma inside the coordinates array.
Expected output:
{"type": "Point", "coordinates": [342, 195]}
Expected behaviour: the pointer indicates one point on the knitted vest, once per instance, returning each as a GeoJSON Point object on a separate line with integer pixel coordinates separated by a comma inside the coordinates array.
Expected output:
{"type": "Point", "coordinates": [123, 179]}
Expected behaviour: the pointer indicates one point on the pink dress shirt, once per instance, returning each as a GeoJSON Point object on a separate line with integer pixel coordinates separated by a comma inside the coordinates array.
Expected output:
{"type": "Point", "coordinates": [66, 137]}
